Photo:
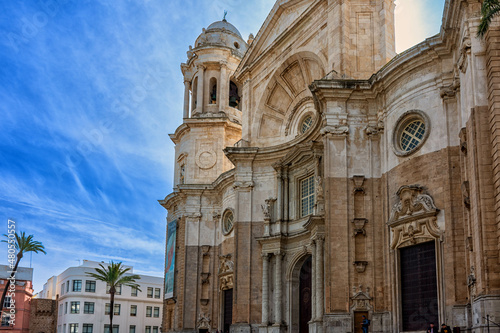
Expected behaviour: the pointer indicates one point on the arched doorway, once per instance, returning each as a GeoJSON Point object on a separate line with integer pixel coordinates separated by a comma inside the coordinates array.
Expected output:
{"type": "Point", "coordinates": [305, 295]}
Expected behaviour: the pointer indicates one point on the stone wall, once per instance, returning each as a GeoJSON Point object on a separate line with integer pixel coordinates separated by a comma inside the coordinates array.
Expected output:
{"type": "Point", "coordinates": [43, 317]}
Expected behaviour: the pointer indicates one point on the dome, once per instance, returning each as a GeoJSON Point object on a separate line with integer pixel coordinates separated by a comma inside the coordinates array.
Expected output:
{"type": "Point", "coordinates": [224, 25]}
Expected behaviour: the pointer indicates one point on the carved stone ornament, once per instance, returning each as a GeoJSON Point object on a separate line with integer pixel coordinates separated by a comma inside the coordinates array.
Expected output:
{"type": "Point", "coordinates": [226, 267]}
{"type": "Point", "coordinates": [463, 140]}
{"type": "Point", "coordinates": [413, 218]}
{"type": "Point", "coordinates": [360, 266]}
{"type": "Point", "coordinates": [358, 183]}
{"type": "Point", "coordinates": [412, 202]}
{"type": "Point", "coordinates": [206, 159]}
{"type": "Point", "coordinates": [244, 185]}
{"type": "Point", "coordinates": [471, 282]}
{"type": "Point", "coordinates": [267, 209]}
{"type": "Point", "coordinates": [466, 193]}
{"type": "Point", "coordinates": [361, 299]}
{"type": "Point", "coordinates": [464, 54]}
{"type": "Point", "coordinates": [373, 131]}
{"type": "Point", "coordinates": [359, 226]}
{"type": "Point", "coordinates": [337, 130]}
{"type": "Point", "coordinates": [203, 321]}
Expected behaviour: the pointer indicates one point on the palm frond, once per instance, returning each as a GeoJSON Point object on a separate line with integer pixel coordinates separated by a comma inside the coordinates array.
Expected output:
{"type": "Point", "coordinates": [114, 275]}
{"type": "Point", "coordinates": [489, 10]}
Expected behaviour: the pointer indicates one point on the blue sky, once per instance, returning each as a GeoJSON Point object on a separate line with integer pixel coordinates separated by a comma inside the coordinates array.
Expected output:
{"type": "Point", "coordinates": [90, 90]}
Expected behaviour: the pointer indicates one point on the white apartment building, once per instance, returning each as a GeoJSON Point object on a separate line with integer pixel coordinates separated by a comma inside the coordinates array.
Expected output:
{"type": "Point", "coordinates": [83, 303]}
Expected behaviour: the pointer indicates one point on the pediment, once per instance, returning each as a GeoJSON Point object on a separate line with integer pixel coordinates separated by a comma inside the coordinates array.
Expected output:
{"type": "Point", "coordinates": [281, 20]}
{"type": "Point", "coordinates": [300, 153]}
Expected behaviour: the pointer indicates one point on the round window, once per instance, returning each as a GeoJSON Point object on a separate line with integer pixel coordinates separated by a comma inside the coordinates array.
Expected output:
{"type": "Point", "coordinates": [410, 133]}
{"type": "Point", "coordinates": [306, 124]}
{"type": "Point", "coordinates": [227, 221]}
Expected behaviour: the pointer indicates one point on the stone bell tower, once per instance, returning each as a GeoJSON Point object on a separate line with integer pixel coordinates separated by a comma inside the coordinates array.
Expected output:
{"type": "Point", "coordinates": [211, 122]}
{"type": "Point", "coordinates": [212, 105]}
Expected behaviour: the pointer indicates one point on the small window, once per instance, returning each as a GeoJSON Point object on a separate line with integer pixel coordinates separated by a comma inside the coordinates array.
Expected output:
{"type": "Point", "coordinates": [6, 302]}
{"type": "Point", "coordinates": [115, 328]}
{"type": "Point", "coordinates": [62, 289]}
{"type": "Point", "coordinates": [65, 307]}
{"type": "Point", "coordinates": [227, 221]}
{"type": "Point", "coordinates": [156, 312]}
{"type": "Point", "coordinates": [107, 308]}
{"type": "Point", "coordinates": [134, 291]}
{"type": "Point", "coordinates": [157, 292]}
{"type": "Point", "coordinates": [150, 292]}
{"type": "Point", "coordinates": [88, 328]}
{"type": "Point", "coordinates": [410, 132]}
{"type": "Point", "coordinates": [60, 309]}
{"type": "Point", "coordinates": [155, 329]}
{"type": "Point", "coordinates": [5, 320]}
{"type": "Point", "coordinates": [148, 329]}
{"type": "Point", "coordinates": [306, 196]}
{"type": "Point", "coordinates": [149, 311]}
{"type": "Point", "coordinates": [90, 286]}
{"type": "Point", "coordinates": [118, 289]}
{"type": "Point", "coordinates": [306, 124]}
{"type": "Point", "coordinates": [133, 310]}
{"type": "Point", "coordinates": [67, 286]}
{"type": "Point", "coordinates": [88, 307]}
{"type": "Point", "coordinates": [131, 329]}
{"type": "Point", "coordinates": [236, 45]}
{"type": "Point", "coordinates": [77, 285]}
{"type": "Point", "coordinates": [75, 307]}
{"type": "Point", "coordinates": [73, 328]}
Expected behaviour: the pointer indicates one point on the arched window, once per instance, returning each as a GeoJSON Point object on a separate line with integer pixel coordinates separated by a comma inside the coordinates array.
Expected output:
{"type": "Point", "coordinates": [213, 90]}
{"type": "Point", "coordinates": [234, 97]}
{"type": "Point", "coordinates": [194, 91]}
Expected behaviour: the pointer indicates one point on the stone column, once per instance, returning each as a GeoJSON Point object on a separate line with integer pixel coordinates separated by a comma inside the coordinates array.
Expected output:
{"type": "Point", "coordinates": [280, 195]}
{"type": "Point", "coordinates": [319, 278]}
{"type": "Point", "coordinates": [285, 195]}
{"type": "Point", "coordinates": [278, 290]}
{"type": "Point", "coordinates": [222, 89]}
{"type": "Point", "coordinates": [201, 89]}
{"type": "Point", "coordinates": [313, 280]}
{"type": "Point", "coordinates": [265, 289]}
{"type": "Point", "coordinates": [186, 99]}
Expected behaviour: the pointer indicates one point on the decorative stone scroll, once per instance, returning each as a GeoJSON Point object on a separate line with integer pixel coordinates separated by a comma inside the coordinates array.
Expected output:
{"type": "Point", "coordinates": [413, 218]}
{"type": "Point", "coordinates": [226, 268]}
{"type": "Point", "coordinates": [337, 130]}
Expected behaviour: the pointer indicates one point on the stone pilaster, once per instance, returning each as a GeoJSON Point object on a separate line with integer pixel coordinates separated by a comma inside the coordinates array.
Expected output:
{"type": "Point", "coordinates": [186, 99]}
{"type": "Point", "coordinates": [265, 289]}
{"type": "Point", "coordinates": [313, 280]}
{"type": "Point", "coordinates": [278, 290]}
{"type": "Point", "coordinates": [222, 89]}
{"type": "Point", "coordinates": [319, 278]}
{"type": "Point", "coordinates": [201, 89]}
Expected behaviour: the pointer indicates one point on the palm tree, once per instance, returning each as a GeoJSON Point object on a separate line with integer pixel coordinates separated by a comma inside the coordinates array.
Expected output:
{"type": "Point", "coordinates": [22, 244]}
{"type": "Point", "coordinates": [114, 275]}
{"type": "Point", "coordinates": [489, 10]}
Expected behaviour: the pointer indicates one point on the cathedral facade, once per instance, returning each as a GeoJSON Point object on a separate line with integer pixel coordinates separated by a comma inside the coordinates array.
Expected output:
{"type": "Point", "coordinates": [320, 177]}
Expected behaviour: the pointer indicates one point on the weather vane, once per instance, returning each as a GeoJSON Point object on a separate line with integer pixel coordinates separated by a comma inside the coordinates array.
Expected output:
{"type": "Point", "coordinates": [225, 13]}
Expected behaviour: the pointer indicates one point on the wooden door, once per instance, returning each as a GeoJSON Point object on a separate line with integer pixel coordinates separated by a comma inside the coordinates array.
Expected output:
{"type": "Point", "coordinates": [305, 295]}
{"type": "Point", "coordinates": [228, 309]}
{"type": "Point", "coordinates": [358, 319]}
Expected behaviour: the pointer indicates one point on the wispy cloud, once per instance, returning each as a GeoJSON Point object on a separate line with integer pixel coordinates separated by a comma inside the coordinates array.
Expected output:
{"type": "Point", "coordinates": [89, 95]}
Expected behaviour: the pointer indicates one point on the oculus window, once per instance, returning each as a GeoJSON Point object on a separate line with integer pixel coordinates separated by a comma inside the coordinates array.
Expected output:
{"type": "Point", "coordinates": [410, 133]}
{"type": "Point", "coordinates": [306, 124]}
{"type": "Point", "coordinates": [227, 221]}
